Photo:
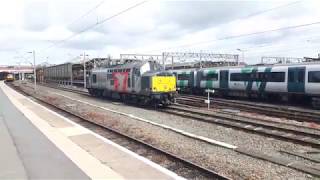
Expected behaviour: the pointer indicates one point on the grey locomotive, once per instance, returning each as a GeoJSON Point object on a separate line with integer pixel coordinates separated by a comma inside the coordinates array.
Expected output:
{"type": "Point", "coordinates": [139, 82]}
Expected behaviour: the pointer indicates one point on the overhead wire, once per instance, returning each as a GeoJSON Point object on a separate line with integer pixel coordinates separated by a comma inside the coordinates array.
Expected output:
{"type": "Point", "coordinates": [87, 13]}
{"type": "Point", "coordinates": [185, 45]}
{"type": "Point", "coordinates": [270, 9]}
{"type": "Point", "coordinates": [96, 24]}
{"type": "Point", "coordinates": [134, 6]}
{"type": "Point", "coordinates": [242, 35]}
{"type": "Point", "coordinates": [244, 17]}
{"type": "Point", "coordinates": [83, 16]}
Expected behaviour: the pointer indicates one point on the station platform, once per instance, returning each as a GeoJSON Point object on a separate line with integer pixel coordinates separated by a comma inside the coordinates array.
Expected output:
{"type": "Point", "coordinates": [37, 143]}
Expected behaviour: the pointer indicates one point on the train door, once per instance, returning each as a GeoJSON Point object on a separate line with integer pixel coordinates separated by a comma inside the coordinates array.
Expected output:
{"type": "Point", "coordinates": [296, 79]}
{"type": "Point", "coordinates": [192, 80]}
{"type": "Point", "coordinates": [224, 79]}
{"type": "Point", "coordinates": [136, 80]}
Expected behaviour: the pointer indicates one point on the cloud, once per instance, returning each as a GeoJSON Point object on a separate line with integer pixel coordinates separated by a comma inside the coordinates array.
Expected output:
{"type": "Point", "coordinates": [198, 15]}
{"type": "Point", "coordinates": [154, 27]}
{"type": "Point", "coordinates": [36, 16]}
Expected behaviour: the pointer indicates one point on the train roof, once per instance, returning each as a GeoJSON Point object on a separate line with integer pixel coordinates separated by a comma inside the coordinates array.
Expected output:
{"type": "Point", "coordinates": [121, 66]}
{"type": "Point", "coordinates": [130, 65]}
{"type": "Point", "coordinates": [247, 66]}
{"type": "Point", "coordinates": [290, 64]}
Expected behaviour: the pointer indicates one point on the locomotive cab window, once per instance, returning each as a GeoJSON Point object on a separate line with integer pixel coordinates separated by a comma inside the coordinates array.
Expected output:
{"type": "Point", "coordinates": [314, 76]}
{"type": "Point", "coordinates": [94, 78]}
{"type": "Point", "coordinates": [109, 76]}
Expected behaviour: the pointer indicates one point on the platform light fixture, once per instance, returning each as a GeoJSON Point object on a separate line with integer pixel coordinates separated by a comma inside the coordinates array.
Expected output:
{"type": "Point", "coordinates": [84, 69]}
{"type": "Point", "coordinates": [34, 69]}
{"type": "Point", "coordinates": [242, 51]}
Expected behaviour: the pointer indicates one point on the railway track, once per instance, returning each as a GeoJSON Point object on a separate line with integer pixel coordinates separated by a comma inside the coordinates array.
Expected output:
{"type": "Point", "coordinates": [179, 165]}
{"type": "Point", "coordinates": [300, 135]}
{"type": "Point", "coordinates": [79, 91]}
{"type": "Point", "coordinates": [294, 133]}
{"type": "Point", "coordinates": [267, 109]}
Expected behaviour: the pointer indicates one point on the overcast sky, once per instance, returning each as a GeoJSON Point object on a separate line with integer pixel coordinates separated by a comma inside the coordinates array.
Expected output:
{"type": "Point", "coordinates": [154, 27]}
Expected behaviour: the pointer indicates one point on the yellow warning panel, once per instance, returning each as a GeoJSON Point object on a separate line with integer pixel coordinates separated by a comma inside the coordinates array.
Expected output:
{"type": "Point", "coordinates": [163, 83]}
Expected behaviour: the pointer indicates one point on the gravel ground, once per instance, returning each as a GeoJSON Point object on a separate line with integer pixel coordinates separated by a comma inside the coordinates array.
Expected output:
{"type": "Point", "coordinates": [275, 119]}
{"type": "Point", "coordinates": [222, 160]}
{"type": "Point", "coordinates": [257, 118]}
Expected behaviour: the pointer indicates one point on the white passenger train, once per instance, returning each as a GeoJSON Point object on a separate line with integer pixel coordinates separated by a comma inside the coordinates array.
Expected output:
{"type": "Point", "coordinates": [283, 81]}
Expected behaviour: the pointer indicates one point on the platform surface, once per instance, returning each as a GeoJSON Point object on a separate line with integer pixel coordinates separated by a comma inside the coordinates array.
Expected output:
{"type": "Point", "coordinates": [26, 153]}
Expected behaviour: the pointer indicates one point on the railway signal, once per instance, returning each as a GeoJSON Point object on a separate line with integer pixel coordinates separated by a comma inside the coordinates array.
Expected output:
{"type": "Point", "coordinates": [208, 100]}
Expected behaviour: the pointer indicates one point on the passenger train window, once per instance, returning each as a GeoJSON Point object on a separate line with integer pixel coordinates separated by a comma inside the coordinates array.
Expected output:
{"type": "Point", "coordinates": [276, 77]}
{"type": "Point", "coordinates": [314, 76]}
{"type": "Point", "coordinates": [212, 77]}
{"type": "Point", "coordinates": [240, 76]}
{"type": "Point", "coordinates": [235, 77]}
{"type": "Point", "coordinates": [261, 76]}
{"type": "Point", "coordinates": [94, 78]}
{"type": "Point", "coordinates": [183, 76]}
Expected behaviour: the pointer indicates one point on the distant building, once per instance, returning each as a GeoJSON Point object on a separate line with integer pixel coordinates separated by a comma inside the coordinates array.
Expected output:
{"type": "Point", "coordinates": [24, 71]}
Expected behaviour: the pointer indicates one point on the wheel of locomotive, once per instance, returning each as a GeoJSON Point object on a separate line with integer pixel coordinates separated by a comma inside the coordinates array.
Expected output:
{"type": "Point", "coordinates": [123, 97]}
{"type": "Point", "coordinates": [91, 92]}
{"type": "Point", "coordinates": [99, 93]}
{"type": "Point", "coordinates": [140, 100]}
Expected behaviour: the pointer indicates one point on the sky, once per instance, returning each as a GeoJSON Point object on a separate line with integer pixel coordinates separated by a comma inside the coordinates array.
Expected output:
{"type": "Point", "coordinates": [61, 30]}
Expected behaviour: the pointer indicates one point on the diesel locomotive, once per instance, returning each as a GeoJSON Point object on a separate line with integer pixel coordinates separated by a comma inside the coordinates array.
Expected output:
{"type": "Point", "coordinates": [141, 82]}
{"type": "Point", "coordinates": [9, 77]}
{"type": "Point", "coordinates": [281, 82]}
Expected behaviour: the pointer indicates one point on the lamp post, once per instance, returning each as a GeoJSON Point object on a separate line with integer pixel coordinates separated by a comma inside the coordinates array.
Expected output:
{"type": "Point", "coordinates": [34, 69]}
{"type": "Point", "coordinates": [19, 64]}
{"type": "Point", "coordinates": [242, 51]}
{"type": "Point", "coordinates": [84, 69]}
